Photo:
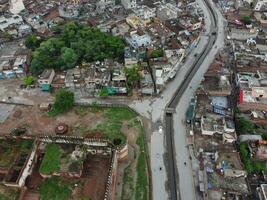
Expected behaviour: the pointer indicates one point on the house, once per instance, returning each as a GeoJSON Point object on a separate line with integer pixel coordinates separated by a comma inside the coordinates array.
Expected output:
{"type": "Point", "coordinates": [129, 4]}
{"type": "Point", "coordinates": [138, 39]}
{"type": "Point", "coordinates": [262, 192]}
{"type": "Point", "coordinates": [46, 78]}
{"type": "Point", "coordinates": [145, 12]}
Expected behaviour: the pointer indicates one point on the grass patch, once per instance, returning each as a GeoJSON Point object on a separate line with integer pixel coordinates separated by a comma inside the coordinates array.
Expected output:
{"type": "Point", "coordinates": [55, 189]}
{"type": "Point", "coordinates": [250, 165]}
{"type": "Point", "coordinates": [51, 161]}
{"type": "Point", "coordinates": [128, 184]}
{"type": "Point", "coordinates": [112, 125]}
{"type": "Point", "coordinates": [141, 186]}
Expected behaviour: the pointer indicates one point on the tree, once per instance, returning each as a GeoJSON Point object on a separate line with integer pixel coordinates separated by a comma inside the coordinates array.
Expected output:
{"type": "Point", "coordinates": [157, 53]}
{"type": "Point", "coordinates": [69, 58]}
{"type": "Point", "coordinates": [47, 56]}
{"type": "Point", "coordinates": [103, 92]}
{"type": "Point", "coordinates": [32, 42]}
{"type": "Point", "coordinates": [246, 20]}
{"type": "Point", "coordinates": [28, 80]}
{"type": "Point", "coordinates": [244, 125]}
{"type": "Point", "coordinates": [64, 101]}
{"type": "Point", "coordinates": [133, 75]}
{"type": "Point", "coordinates": [77, 43]}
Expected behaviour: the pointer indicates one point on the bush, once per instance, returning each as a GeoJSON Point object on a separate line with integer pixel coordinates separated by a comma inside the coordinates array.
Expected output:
{"type": "Point", "coordinates": [63, 103]}
{"type": "Point", "coordinates": [246, 20]}
{"type": "Point", "coordinates": [104, 92]}
{"type": "Point", "coordinates": [28, 80]}
{"type": "Point", "coordinates": [157, 53]}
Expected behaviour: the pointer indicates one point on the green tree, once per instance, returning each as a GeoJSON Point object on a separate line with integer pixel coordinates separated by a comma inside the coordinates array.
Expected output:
{"type": "Point", "coordinates": [68, 57]}
{"type": "Point", "coordinates": [246, 20]}
{"type": "Point", "coordinates": [32, 42]}
{"type": "Point", "coordinates": [28, 80]}
{"type": "Point", "coordinates": [104, 92]}
{"type": "Point", "coordinates": [244, 125]}
{"type": "Point", "coordinates": [47, 56]}
{"type": "Point", "coordinates": [64, 101]}
{"type": "Point", "coordinates": [77, 43]}
{"type": "Point", "coordinates": [133, 75]}
{"type": "Point", "coordinates": [157, 53]}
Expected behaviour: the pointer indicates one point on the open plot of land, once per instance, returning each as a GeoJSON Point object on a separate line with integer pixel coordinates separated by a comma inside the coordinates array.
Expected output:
{"type": "Point", "coordinates": [229, 184]}
{"type": "Point", "coordinates": [95, 175]}
{"type": "Point", "coordinates": [82, 121]}
{"type": "Point", "coordinates": [91, 185]}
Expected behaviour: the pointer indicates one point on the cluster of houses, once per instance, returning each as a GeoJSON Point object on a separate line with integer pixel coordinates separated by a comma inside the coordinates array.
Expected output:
{"type": "Point", "coordinates": [172, 28]}
{"type": "Point", "coordinates": [229, 108]}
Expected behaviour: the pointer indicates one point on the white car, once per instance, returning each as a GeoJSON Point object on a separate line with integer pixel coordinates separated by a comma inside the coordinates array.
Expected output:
{"type": "Point", "coordinates": [160, 129]}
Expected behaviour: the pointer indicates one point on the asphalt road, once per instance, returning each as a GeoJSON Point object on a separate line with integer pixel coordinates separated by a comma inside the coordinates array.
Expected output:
{"type": "Point", "coordinates": [186, 189]}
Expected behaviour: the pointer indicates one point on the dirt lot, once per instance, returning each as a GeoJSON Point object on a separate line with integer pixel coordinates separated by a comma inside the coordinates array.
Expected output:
{"type": "Point", "coordinates": [95, 175]}
{"type": "Point", "coordinates": [37, 122]}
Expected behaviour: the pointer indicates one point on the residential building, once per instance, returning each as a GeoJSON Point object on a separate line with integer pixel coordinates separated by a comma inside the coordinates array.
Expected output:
{"type": "Point", "coordinates": [138, 39]}
{"type": "Point", "coordinates": [16, 6]}
{"type": "Point", "coordinates": [129, 4]}
{"type": "Point", "coordinates": [46, 78]}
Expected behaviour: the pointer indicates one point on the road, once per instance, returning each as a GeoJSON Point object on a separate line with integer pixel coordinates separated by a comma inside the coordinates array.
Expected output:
{"type": "Point", "coordinates": [176, 135]}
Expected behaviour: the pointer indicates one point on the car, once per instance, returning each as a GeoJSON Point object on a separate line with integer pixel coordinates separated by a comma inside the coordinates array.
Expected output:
{"type": "Point", "coordinates": [160, 129]}
{"type": "Point", "coordinates": [213, 33]}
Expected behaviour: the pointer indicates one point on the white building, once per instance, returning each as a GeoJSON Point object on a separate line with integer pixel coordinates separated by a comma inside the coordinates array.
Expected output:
{"type": "Point", "coordinates": [129, 4]}
{"type": "Point", "coordinates": [145, 12]}
{"type": "Point", "coordinates": [138, 40]}
{"type": "Point", "coordinates": [16, 6]}
{"type": "Point", "coordinates": [46, 77]}
{"type": "Point", "coordinates": [7, 21]}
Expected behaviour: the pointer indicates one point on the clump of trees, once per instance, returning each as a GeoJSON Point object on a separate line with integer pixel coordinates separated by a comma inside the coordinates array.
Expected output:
{"type": "Point", "coordinates": [133, 75]}
{"type": "Point", "coordinates": [64, 101]}
{"type": "Point", "coordinates": [75, 44]}
{"type": "Point", "coordinates": [32, 42]}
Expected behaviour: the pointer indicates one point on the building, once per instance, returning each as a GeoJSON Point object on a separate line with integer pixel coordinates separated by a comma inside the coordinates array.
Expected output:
{"type": "Point", "coordinates": [16, 6]}
{"type": "Point", "coordinates": [129, 4]}
{"type": "Point", "coordinates": [145, 12]}
{"type": "Point", "coordinates": [138, 39]}
{"type": "Point", "coordinates": [262, 192]}
{"type": "Point", "coordinates": [46, 78]}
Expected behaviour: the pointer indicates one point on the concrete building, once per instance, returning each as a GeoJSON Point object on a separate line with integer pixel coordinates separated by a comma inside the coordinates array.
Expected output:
{"type": "Point", "coordinates": [46, 78]}
{"type": "Point", "coordinates": [129, 4]}
{"type": "Point", "coordinates": [9, 20]}
{"type": "Point", "coordinates": [138, 39]}
{"type": "Point", "coordinates": [16, 6]}
{"type": "Point", "coordinates": [145, 12]}
{"type": "Point", "coordinates": [262, 192]}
